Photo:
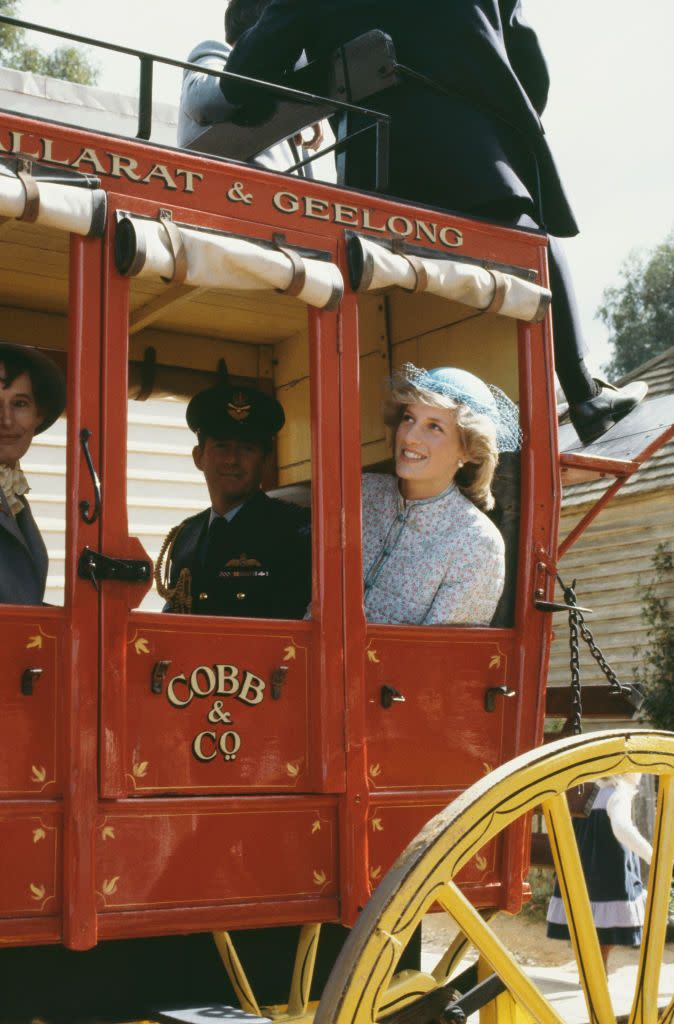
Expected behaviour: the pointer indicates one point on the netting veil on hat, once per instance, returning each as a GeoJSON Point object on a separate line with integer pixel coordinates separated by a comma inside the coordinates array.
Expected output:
{"type": "Point", "coordinates": [465, 388]}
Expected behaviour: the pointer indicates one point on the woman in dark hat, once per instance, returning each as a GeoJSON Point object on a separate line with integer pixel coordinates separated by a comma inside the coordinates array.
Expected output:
{"type": "Point", "coordinates": [32, 397]}
{"type": "Point", "coordinates": [430, 554]}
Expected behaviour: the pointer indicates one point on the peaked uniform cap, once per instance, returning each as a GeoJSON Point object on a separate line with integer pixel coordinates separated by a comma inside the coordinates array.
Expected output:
{"type": "Point", "coordinates": [227, 412]}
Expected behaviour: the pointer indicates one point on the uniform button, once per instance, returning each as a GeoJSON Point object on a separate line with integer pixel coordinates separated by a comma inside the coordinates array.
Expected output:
{"type": "Point", "coordinates": [241, 596]}
{"type": "Point", "coordinates": [203, 597]}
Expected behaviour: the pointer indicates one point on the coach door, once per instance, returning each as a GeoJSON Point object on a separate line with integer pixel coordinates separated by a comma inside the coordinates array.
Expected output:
{"type": "Point", "coordinates": [203, 703]}
{"type": "Point", "coordinates": [49, 650]}
{"type": "Point", "coordinates": [444, 704]}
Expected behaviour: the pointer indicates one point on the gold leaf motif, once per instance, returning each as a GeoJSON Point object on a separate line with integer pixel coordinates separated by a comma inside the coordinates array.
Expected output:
{"type": "Point", "coordinates": [110, 885]}
{"type": "Point", "coordinates": [108, 832]}
{"type": "Point", "coordinates": [140, 770]}
{"type": "Point", "coordinates": [38, 891]}
{"type": "Point", "coordinates": [375, 873]}
{"type": "Point", "coordinates": [34, 641]}
{"type": "Point", "coordinates": [38, 773]}
{"type": "Point", "coordinates": [375, 771]}
{"type": "Point", "coordinates": [38, 834]}
{"type": "Point", "coordinates": [495, 661]}
{"type": "Point", "coordinates": [377, 825]}
{"type": "Point", "coordinates": [141, 645]}
{"type": "Point", "coordinates": [373, 656]}
{"type": "Point", "coordinates": [289, 653]}
{"type": "Point", "coordinates": [315, 826]}
{"type": "Point", "coordinates": [293, 769]}
{"type": "Point", "coordinates": [481, 862]}
{"type": "Point", "coordinates": [320, 877]}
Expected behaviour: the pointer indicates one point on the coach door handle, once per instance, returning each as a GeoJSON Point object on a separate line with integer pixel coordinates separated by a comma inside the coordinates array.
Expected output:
{"type": "Point", "coordinates": [159, 675]}
{"type": "Point", "coordinates": [90, 517]}
{"type": "Point", "coordinates": [278, 678]}
{"type": "Point", "coordinates": [28, 677]}
{"type": "Point", "coordinates": [492, 692]}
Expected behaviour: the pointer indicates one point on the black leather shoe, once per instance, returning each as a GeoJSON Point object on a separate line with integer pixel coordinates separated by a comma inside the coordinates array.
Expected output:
{"type": "Point", "coordinates": [595, 416]}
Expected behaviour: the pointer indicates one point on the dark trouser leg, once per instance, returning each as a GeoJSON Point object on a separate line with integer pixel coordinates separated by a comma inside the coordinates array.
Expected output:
{"type": "Point", "coordinates": [570, 348]}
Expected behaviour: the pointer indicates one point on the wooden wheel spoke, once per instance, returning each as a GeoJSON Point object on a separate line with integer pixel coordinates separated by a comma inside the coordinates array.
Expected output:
{"type": "Point", "coordinates": [497, 956]}
{"type": "Point", "coordinates": [236, 973]}
{"type": "Point", "coordinates": [644, 1008]}
{"type": "Point", "coordinates": [303, 971]}
{"type": "Point", "coordinates": [582, 930]}
{"type": "Point", "coordinates": [455, 952]}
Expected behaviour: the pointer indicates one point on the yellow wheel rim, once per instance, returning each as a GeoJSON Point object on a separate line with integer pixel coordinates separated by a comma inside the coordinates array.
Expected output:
{"type": "Point", "coordinates": [359, 986]}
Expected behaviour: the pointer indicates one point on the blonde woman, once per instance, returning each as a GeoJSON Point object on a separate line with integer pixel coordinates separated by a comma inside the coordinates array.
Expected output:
{"type": "Point", "coordinates": [430, 554]}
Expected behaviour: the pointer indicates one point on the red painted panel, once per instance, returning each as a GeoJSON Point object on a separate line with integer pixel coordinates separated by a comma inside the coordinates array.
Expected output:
{"type": "Point", "coordinates": [191, 854]}
{"type": "Point", "coordinates": [30, 863]}
{"type": "Point", "coordinates": [215, 725]}
{"type": "Point", "coordinates": [31, 726]}
{"type": "Point", "coordinates": [392, 824]}
{"type": "Point", "coordinates": [441, 735]}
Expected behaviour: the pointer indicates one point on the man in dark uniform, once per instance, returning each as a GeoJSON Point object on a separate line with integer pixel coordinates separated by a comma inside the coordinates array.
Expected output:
{"type": "Point", "coordinates": [248, 554]}
{"type": "Point", "coordinates": [32, 397]}
{"type": "Point", "coordinates": [466, 134]}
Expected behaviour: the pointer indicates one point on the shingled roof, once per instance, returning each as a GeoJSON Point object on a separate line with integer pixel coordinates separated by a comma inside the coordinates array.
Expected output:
{"type": "Point", "coordinates": [658, 472]}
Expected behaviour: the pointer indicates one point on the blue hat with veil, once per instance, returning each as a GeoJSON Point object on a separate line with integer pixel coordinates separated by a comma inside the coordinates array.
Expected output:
{"type": "Point", "coordinates": [465, 388]}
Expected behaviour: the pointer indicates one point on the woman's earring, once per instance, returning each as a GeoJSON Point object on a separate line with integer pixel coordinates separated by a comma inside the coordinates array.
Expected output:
{"type": "Point", "coordinates": [460, 464]}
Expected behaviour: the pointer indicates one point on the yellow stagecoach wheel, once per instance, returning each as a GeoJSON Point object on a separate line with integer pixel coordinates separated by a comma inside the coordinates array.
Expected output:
{"type": "Point", "coordinates": [363, 987]}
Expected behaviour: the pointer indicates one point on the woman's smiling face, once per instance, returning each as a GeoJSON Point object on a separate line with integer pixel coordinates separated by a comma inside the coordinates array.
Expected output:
{"type": "Point", "coordinates": [428, 450]}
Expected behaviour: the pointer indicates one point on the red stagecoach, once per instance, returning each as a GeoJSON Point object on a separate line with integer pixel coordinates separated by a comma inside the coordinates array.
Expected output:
{"type": "Point", "coordinates": [169, 776]}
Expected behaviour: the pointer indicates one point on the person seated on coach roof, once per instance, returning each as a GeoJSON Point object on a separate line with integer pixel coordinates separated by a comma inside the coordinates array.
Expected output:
{"type": "Point", "coordinates": [248, 554]}
{"type": "Point", "coordinates": [32, 397]}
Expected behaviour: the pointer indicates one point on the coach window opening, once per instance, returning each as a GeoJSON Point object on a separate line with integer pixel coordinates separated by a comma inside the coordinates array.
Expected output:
{"type": "Point", "coordinates": [254, 338]}
{"type": "Point", "coordinates": [429, 328]}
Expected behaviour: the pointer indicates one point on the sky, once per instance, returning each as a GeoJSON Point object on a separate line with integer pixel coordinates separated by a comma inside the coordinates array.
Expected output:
{"type": "Point", "coordinates": [609, 120]}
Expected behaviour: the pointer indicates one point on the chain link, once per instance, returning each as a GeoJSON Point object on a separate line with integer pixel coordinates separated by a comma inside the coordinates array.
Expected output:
{"type": "Point", "coordinates": [577, 624]}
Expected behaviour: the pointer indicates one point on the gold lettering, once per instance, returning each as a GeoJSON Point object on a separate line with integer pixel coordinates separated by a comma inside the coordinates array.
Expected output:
{"type": "Point", "coordinates": [230, 744]}
{"type": "Point", "coordinates": [189, 177]}
{"type": "Point", "coordinates": [368, 225]}
{"type": "Point", "coordinates": [89, 156]}
{"type": "Point", "coordinates": [198, 749]}
{"type": "Point", "coordinates": [17, 145]}
{"type": "Point", "coordinates": [429, 230]}
{"type": "Point", "coordinates": [160, 171]}
{"type": "Point", "coordinates": [407, 228]}
{"type": "Point", "coordinates": [172, 695]}
{"type": "Point", "coordinates": [227, 674]}
{"type": "Point", "coordinates": [123, 165]}
{"type": "Point", "coordinates": [210, 681]}
{"type": "Point", "coordinates": [48, 154]}
{"type": "Point", "coordinates": [451, 237]}
{"type": "Point", "coordinates": [251, 684]}
{"type": "Point", "coordinates": [318, 209]}
{"type": "Point", "coordinates": [344, 212]}
{"type": "Point", "coordinates": [286, 202]}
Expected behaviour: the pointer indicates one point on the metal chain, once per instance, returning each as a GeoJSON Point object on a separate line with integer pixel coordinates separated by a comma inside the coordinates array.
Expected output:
{"type": "Point", "coordinates": [574, 663]}
{"type": "Point", "coordinates": [577, 623]}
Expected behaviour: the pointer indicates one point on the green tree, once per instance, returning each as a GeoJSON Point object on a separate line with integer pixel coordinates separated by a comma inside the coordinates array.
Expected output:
{"type": "Point", "coordinates": [655, 671]}
{"type": "Point", "coordinates": [64, 62]}
{"type": "Point", "coordinates": [639, 312]}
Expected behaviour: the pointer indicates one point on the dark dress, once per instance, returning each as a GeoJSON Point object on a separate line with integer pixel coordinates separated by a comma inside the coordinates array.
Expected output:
{"type": "Point", "coordinates": [613, 877]}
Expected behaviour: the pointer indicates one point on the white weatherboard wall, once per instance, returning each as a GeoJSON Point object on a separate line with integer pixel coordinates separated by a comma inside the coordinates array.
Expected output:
{"type": "Point", "coordinates": [164, 486]}
{"type": "Point", "coordinates": [613, 557]}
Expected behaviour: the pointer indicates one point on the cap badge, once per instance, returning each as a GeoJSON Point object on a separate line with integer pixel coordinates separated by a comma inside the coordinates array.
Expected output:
{"type": "Point", "coordinates": [239, 407]}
